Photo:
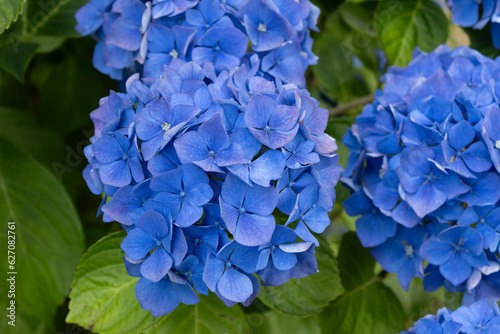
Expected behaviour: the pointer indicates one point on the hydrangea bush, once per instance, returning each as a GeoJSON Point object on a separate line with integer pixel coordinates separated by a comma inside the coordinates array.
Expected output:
{"type": "Point", "coordinates": [215, 177]}
{"type": "Point", "coordinates": [424, 168]}
{"type": "Point", "coordinates": [480, 317]}
{"type": "Point", "coordinates": [477, 14]}
{"type": "Point", "coordinates": [137, 36]}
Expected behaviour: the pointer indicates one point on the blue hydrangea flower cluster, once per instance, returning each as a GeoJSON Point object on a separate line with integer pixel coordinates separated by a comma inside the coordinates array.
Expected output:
{"type": "Point", "coordinates": [478, 318]}
{"type": "Point", "coordinates": [216, 177]}
{"type": "Point", "coordinates": [477, 14]}
{"type": "Point", "coordinates": [139, 36]}
{"type": "Point", "coordinates": [424, 168]}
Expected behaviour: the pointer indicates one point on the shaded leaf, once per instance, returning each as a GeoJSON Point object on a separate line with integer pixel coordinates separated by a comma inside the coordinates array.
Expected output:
{"type": "Point", "coordinates": [23, 129]}
{"type": "Point", "coordinates": [308, 295]}
{"type": "Point", "coordinates": [48, 234]}
{"type": "Point", "coordinates": [15, 57]}
{"type": "Point", "coordinates": [279, 323]}
{"type": "Point", "coordinates": [209, 316]}
{"type": "Point", "coordinates": [368, 306]}
{"type": "Point", "coordinates": [69, 91]}
{"type": "Point", "coordinates": [348, 62]}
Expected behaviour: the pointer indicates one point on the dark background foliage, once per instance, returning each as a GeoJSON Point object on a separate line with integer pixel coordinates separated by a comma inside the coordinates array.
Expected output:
{"type": "Point", "coordinates": [48, 87]}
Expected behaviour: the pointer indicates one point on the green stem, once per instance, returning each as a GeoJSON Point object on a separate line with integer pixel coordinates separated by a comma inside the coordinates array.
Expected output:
{"type": "Point", "coordinates": [350, 105]}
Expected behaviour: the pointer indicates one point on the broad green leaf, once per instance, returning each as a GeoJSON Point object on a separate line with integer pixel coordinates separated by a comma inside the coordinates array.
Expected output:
{"type": "Point", "coordinates": [368, 306]}
{"type": "Point", "coordinates": [25, 131]}
{"type": "Point", "coordinates": [9, 12]}
{"type": "Point", "coordinates": [103, 300]}
{"type": "Point", "coordinates": [44, 26]}
{"type": "Point", "coordinates": [37, 16]}
{"type": "Point", "coordinates": [102, 297]}
{"type": "Point", "coordinates": [416, 302]}
{"type": "Point", "coordinates": [348, 64]}
{"type": "Point", "coordinates": [280, 323]}
{"type": "Point", "coordinates": [15, 57]}
{"type": "Point", "coordinates": [335, 72]}
{"type": "Point", "coordinates": [356, 265]}
{"type": "Point", "coordinates": [49, 238]}
{"type": "Point", "coordinates": [404, 25]}
{"type": "Point", "coordinates": [209, 316]}
{"type": "Point", "coordinates": [65, 98]}
{"type": "Point", "coordinates": [63, 23]}
{"type": "Point", "coordinates": [308, 295]}
{"type": "Point", "coordinates": [369, 309]}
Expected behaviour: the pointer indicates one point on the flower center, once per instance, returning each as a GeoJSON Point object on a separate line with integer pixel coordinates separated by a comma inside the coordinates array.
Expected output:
{"type": "Point", "coordinates": [174, 53]}
{"type": "Point", "coordinates": [211, 153]}
{"type": "Point", "coordinates": [290, 184]}
{"type": "Point", "coordinates": [249, 162]}
{"type": "Point", "coordinates": [273, 247]}
{"type": "Point", "coordinates": [497, 144]}
{"type": "Point", "coordinates": [459, 154]}
{"type": "Point", "coordinates": [158, 243]}
{"type": "Point", "coordinates": [217, 48]}
{"type": "Point", "coordinates": [409, 251]}
{"type": "Point", "coordinates": [228, 264]}
{"type": "Point", "coordinates": [196, 241]}
{"type": "Point", "coordinates": [262, 27]}
{"type": "Point", "coordinates": [241, 210]}
{"type": "Point", "coordinates": [267, 128]}
{"type": "Point", "coordinates": [165, 126]}
{"type": "Point", "coordinates": [182, 193]}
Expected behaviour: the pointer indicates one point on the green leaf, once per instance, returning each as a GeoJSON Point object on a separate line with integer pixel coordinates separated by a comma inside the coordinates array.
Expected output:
{"type": "Point", "coordinates": [9, 12]}
{"type": "Point", "coordinates": [334, 71]}
{"type": "Point", "coordinates": [280, 323]}
{"type": "Point", "coordinates": [102, 298]}
{"type": "Point", "coordinates": [64, 90]}
{"type": "Point", "coordinates": [404, 25]}
{"type": "Point", "coordinates": [337, 128]}
{"type": "Point", "coordinates": [15, 57]}
{"type": "Point", "coordinates": [209, 316]}
{"type": "Point", "coordinates": [355, 263]}
{"type": "Point", "coordinates": [348, 64]}
{"type": "Point", "coordinates": [417, 302]}
{"type": "Point", "coordinates": [49, 238]}
{"type": "Point", "coordinates": [370, 309]}
{"type": "Point", "coordinates": [23, 129]}
{"type": "Point", "coordinates": [63, 23]}
{"type": "Point", "coordinates": [308, 295]}
{"type": "Point", "coordinates": [44, 26]}
{"type": "Point", "coordinates": [368, 306]}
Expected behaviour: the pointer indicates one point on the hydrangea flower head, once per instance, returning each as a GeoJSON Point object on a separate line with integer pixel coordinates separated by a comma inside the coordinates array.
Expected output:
{"type": "Point", "coordinates": [197, 165]}
{"type": "Point", "coordinates": [422, 169]}
{"type": "Point", "coordinates": [480, 317]}
{"type": "Point", "coordinates": [138, 36]}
